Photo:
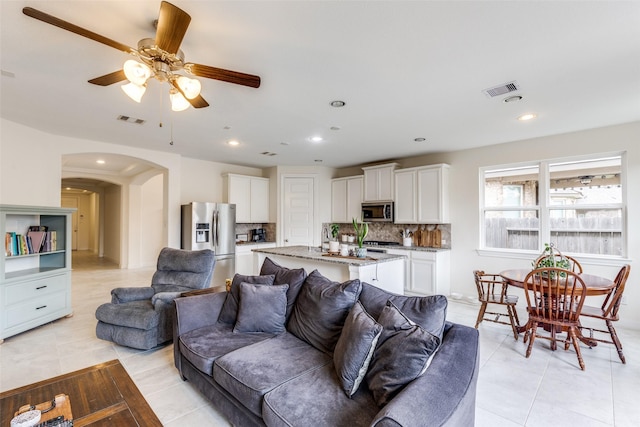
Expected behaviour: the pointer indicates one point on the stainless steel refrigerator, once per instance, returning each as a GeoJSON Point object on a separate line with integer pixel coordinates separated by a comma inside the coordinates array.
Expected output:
{"type": "Point", "coordinates": [212, 226]}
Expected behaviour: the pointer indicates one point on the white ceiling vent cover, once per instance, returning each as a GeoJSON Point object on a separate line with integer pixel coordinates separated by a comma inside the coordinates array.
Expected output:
{"type": "Point", "coordinates": [492, 92]}
{"type": "Point", "coordinates": [131, 120]}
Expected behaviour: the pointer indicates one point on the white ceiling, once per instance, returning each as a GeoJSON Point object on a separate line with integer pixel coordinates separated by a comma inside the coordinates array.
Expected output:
{"type": "Point", "coordinates": [406, 70]}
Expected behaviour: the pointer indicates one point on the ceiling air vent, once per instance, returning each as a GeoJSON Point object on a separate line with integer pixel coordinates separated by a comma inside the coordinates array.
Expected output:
{"type": "Point", "coordinates": [492, 92]}
{"type": "Point", "coordinates": [132, 120]}
{"type": "Point", "coordinates": [268, 153]}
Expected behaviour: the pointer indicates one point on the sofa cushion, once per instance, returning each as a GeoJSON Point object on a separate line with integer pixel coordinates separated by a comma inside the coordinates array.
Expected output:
{"type": "Point", "coordinates": [229, 310]}
{"type": "Point", "coordinates": [292, 277]}
{"type": "Point", "coordinates": [250, 372]}
{"type": "Point", "coordinates": [262, 308]}
{"type": "Point", "coordinates": [403, 353]}
{"type": "Point", "coordinates": [429, 312]}
{"type": "Point", "coordinates": [204, 345]}
{"type": "Point", "coordinates": [317, 399]}
{"type": "Point", "coordinates": [355, 348]}
{"type": "Point", "coordinates": [321, 309]}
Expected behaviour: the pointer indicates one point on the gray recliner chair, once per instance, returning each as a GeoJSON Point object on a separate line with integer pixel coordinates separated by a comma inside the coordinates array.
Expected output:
{"type": "Point", "coordinates": [142, 317]}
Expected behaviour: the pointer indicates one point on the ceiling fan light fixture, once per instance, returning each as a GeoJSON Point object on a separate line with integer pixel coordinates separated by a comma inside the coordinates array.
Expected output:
{"type": "Point", "coordinates": [178, 102]}
{"type": "Point", "coordinates": [134, 91]}
{"type": "Point", "coordinates": [190, 87]}
{"type": "Point", "coordinates": [136, 72]}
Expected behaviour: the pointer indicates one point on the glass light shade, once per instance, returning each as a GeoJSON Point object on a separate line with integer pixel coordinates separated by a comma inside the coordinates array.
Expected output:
{"type": "Point", "coordinates": [190, 87]}
{"type": "Point", "coordinates": [178, 102]}
{"type": "Point", "coordinates": [134, 91]}
{"type": "Point", "coordinates": [136, 72]}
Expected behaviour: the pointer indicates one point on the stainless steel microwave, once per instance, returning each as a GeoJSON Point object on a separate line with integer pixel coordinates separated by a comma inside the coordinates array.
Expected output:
{"type": "Point", "coordinates": [377, 212]}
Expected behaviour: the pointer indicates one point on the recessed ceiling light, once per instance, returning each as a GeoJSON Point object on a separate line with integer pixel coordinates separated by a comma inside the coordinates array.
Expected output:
{"type": "Point", "coordinates": [420, 139]}
{"type": "Point", "coordinates": [338, 104]}
{"type": "Point", "coordinates": [528, 116]}
{"type": "Point", "coordinates": [514, 98]}
{"type": "Point", "coordinates": [316, 139]}
{"type": "Point", "coordinates": [233, 143]}
{"type": "Point", "coordinates": [100, 162]}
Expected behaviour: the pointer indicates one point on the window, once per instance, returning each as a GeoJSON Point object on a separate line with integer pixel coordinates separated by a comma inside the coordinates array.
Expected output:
{"type": "Point", "coordinates": [576, 204]}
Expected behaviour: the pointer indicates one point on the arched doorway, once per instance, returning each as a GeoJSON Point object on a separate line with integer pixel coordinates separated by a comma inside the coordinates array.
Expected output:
{"type": "Point", "coordinates": [122, 208]}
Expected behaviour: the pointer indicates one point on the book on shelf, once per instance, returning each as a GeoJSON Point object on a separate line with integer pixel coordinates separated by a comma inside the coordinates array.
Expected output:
{"type": "Point", "coordinates": [37, 240]}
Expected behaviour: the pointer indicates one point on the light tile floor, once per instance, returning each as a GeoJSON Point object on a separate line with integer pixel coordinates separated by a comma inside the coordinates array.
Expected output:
{"type": "Point", "coordinates": [548, 389]}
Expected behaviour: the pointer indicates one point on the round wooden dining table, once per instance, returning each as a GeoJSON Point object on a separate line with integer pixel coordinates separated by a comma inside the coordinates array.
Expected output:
{"type": "Point", "coordinates": [596, 285]}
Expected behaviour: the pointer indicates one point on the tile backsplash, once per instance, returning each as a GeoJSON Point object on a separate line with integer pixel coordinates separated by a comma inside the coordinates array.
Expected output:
{"type": "Point", "coordinates": [269, 229]}
{"type": "Point", "coordinates": [392, 232]}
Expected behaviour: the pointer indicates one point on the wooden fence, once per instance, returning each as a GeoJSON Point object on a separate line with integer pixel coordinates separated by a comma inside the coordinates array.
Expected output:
{"type": "Point", "coordinates": [598, 235]}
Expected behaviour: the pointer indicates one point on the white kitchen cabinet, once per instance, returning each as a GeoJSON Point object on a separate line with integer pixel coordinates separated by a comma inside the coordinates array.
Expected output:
{"type": "Point", "coordinates": [378, 182]}
{"type": "Point", "coordinates": [250, 194]}
{"type": "Point", "coordinates": [426, 272]}
{"type": "Point", "coordinates": [35, 286]}
{"type": "Point", "coordinates": [245, 258]}
{"type": "Point", "coordinates": [346, 199]}
{"type": "Point", "coordinates": [422, 195]}
{"type": "Point", "coordinates": [405, 197]}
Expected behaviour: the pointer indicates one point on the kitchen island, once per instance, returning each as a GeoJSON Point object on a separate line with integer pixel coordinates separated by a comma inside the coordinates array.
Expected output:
{"type": "Point", "coordinates": [385, 271]}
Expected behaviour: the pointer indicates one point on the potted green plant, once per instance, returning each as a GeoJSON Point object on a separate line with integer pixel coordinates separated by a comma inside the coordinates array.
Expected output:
{"type": "Point", "coordinates": [361, 229]}
{"type": "Point", "coordinates": [334, 245]}
{"type": "Point", "coordinates": [551, 257]}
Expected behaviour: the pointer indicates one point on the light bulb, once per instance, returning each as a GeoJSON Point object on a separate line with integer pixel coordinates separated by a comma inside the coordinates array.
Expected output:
{"type": "Point", "coordinates": [136, 72]}
{"type": "Point", "coordinates": [134, 91]}
{"type": "Point", "coordinates": [190, 87]}
{"type": "Point", "coordinates": [178, 102]}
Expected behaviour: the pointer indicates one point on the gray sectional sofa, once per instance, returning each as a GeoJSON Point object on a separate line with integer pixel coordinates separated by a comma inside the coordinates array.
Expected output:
{"type": "Point", "coordinates": [290, 349]}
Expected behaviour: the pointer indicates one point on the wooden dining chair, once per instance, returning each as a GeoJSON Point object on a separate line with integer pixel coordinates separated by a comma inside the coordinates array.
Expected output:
{"type": "Point", "coordinates": [574, 265]}
{"type": "Point", "coordinates": [554, 300]}
{"type": "Point", "coordinates": [609, 312]}
{"type": "Point", "coordinates": [493, 290]}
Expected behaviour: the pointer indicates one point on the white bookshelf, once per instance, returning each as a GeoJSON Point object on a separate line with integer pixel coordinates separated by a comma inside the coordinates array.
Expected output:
{"type": "Point", "coordinates": [34, 288]}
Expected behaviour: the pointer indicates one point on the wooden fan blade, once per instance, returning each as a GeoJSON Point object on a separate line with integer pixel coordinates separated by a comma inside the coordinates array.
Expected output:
{"type": "Point", "coordinates": [197, 102]}
{"type": "Point", "coordinates": [44, 17]}
{"type": "Point", "coordinates": [223, 75]}
{"type": "Point", "coordinates": [172, 26]}
{"type": "Point", "coordinates": [109, 79]}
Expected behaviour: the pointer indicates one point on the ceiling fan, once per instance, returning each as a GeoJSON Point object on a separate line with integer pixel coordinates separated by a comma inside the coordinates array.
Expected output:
{"type": "Point", "coordinates": [159, 58]}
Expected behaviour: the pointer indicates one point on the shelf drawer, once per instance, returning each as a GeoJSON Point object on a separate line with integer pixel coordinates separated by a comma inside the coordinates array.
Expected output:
{"type": "Point", "coordinates": [28, 290]}
{"type": "Point", "coordinates": [37, 308]}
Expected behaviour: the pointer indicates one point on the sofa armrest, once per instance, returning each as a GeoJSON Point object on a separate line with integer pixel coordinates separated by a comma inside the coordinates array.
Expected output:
{"type": "Point", "coordinates": [197, 311]}
{"type": "Point", "coordinates": [120, 295]}
{"type": "Point", "coordinates": [445, 395]}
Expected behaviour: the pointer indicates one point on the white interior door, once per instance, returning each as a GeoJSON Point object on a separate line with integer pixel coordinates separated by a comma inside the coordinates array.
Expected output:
{"type": "Point", "coordinates": [298, 211]}
{"type": "Point", "coordinates": [71, 202]}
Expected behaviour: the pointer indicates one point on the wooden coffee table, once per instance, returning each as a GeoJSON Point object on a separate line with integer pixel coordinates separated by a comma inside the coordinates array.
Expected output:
{"type": "Point", "coordinates": [101, 395]}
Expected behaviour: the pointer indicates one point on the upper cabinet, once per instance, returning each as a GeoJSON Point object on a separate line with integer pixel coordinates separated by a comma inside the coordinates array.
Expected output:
{"type": "Point", "coordinates": [250, 194]}
{"type": "Point", "coordinates": [378, 182]}
{"type": "Point", "coordinates": [422, 195]}
{"type": "Point", "coordinates": [346, 199]}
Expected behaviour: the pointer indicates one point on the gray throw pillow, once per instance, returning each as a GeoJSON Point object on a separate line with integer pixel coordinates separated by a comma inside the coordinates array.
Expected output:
{"type": "Point", "coordinates": [355, 347]}
{"type": "Point", "coordinates": [403, 353]}
{"type": "Point", "coordinates": [262, 308]}
{"type": "Point", "coordinates": [229, 309]}
{"type": "Point", "coordinates": [321, 309]}
{"type": "Point", "coordinates": [294, 277]}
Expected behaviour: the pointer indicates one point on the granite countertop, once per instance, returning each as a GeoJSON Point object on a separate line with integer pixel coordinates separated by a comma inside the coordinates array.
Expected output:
{"type": "Point", "coordinates": [251, 243]}
{"type": "Point", "coordinates": [409, 248]}
{"type": "Point", "coordinates": [314, 253]}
